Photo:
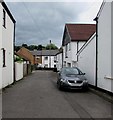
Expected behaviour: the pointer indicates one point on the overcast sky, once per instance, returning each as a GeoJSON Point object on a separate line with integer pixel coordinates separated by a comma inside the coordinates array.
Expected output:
{"type": "Point", "coordinates": [40, 22]}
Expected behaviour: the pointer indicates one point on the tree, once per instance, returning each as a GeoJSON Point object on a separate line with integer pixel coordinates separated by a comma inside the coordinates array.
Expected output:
{"type": "Point", "coordinates": [16, 48]}
{"type": "Point", "coordinates": [41, 47]}
{"type": "Point", "coordinates": [51, 46]}
{"type": "Point", "coordinates": [33, 47]}
{"type": "Point", "coordinates": [25, 45]}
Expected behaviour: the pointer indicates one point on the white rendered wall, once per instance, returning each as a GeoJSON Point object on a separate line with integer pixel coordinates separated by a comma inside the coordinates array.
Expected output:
{"type": "Point", "coordinates": [7, 44]}
{"type": "Point", "coordinates": [63, 54]}
{"type": "Point", "coordinates": [80, 44]}
{"type": "Point", "coordinates": [1, 63]}
{"type": "Point", "coordinates": [74, 51]}
{"type": "Point", "coordinates": [112, 46]}
{"type": "Point", "coordinates": [71, 54]}
{"type": "Point", "coordinates": [18, 70]}
{"type": "Point", "coordinates": [104, 48]}
{"type": "Point", "coordinates": [59, 61]}
{"type": "Point", "coordinates": [86, 60]}
{"type": "Point", "coordinates": [49, 61]}
{"type": "Point", "coordinates": [45, 61]}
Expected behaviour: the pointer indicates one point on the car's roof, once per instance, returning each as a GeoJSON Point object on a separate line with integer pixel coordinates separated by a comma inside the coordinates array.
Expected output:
{"type": "Point", "coordinates": [70, 67]}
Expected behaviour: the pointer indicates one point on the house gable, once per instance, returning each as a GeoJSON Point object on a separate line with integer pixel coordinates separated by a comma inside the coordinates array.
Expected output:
{"type": "Point", "coordinates": [8, 12]}
{"type": "Point", "coordinates": [78, 32]}
{"type": "Point", "coordinates": [66, 37]}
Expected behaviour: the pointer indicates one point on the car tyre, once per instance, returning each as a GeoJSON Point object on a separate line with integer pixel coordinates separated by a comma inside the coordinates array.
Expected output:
{"type": "Point", "coordinates": [85, 89]}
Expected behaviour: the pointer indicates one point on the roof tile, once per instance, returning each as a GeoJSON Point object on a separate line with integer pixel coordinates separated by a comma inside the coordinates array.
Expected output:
{"type": "Point", "coordinates": [81, 31]}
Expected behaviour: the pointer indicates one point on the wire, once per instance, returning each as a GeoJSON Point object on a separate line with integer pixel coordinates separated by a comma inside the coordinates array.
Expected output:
{"type": "Point", "coordinates": [34, 21]}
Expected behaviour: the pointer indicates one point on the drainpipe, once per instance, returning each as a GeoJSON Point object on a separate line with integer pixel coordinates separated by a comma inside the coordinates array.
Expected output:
{"type": "Point", "coordinates": [50, 55]}
{"type": "Point", "coordinates": [14, 52]}
{"type": "Point", "coordinates": [62, 58]}
{"type": "Point", "coordinates": [96, 70]}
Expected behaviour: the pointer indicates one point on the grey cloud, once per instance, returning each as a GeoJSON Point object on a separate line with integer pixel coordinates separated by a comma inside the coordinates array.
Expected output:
{"type": "Point", "coordinates": [38, 22]}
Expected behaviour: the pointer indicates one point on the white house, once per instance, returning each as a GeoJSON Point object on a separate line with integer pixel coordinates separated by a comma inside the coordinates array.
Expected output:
{"type": "Point", "coordinates": [75, 36]}
{"type": "Point", "coordinates": [87, 59]}
{"type": "Point", "coordinates": [104, 20]}
{"type": "Point", "coordinates": [7, 37]}
{"type": "Point", "coordinates": [96, 56]}
{"type": "Point", "coordinates": [47, 57]}
{"type": "Point", "coordinates": [59, 59]}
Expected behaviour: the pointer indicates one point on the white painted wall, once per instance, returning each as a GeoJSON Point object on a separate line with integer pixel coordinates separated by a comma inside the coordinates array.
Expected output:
{"type": "Point", "coordinates": [80, 44]}
{"type": "Point", "coordinates": [0, 62]}
{"type": "Point", "coordinates": [7, 44]}
{"type": "Point", "coordinates": [59, 61]}
{"type": "Point", "coordinates": [49, 61]}
{"type": "Point", "coordinates": [18, 70]}
{"type": "Point", "coordinates": [0, 46]}
{"type": "Point", "coordinates": [87, 59]}
{"type": "Point", "coordinates": [74, 51]}
{"type": "Point", "coordinates": [63, 54]}
{"type": "Point", "coordinates": [71, 54]}
{"type": "Point", "coordinates": [104, 47]}
{"type": "Point", "coordinates": [112, 46]}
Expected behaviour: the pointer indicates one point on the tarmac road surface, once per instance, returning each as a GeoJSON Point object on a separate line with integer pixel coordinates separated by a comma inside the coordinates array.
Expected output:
{"type": "Point", "coordinates": [37, 96]}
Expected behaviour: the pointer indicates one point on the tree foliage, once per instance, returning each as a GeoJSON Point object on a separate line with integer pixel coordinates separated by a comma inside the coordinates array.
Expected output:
{"type": "Point", "coordinates": [37, 47]}
{"type": "Point", "coordinates": [51, 47]}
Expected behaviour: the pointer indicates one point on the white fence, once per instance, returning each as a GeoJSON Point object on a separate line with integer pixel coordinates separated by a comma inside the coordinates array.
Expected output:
{"type": "Point", "coordinates": [18, 70]}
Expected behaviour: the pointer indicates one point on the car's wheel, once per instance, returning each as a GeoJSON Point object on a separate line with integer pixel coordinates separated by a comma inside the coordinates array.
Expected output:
{"type": "Point", "coordinates": [85, 89]}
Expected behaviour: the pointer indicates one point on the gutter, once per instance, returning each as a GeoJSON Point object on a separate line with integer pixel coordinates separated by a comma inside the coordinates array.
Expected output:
{"type": "Point", "coordinates": [96, 70]}
{"type": "Point", "coordinates": [96, 19]}
{"type": "Point", "coordinates": [14, 52]}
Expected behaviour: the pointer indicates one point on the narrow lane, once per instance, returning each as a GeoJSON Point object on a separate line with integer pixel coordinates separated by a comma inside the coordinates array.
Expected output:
{"type": "Point", "coordinates": [37, 96]}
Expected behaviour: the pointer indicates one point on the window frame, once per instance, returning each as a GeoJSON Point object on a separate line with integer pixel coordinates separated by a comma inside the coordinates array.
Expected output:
{"type": "Point", "coordinates": [4, 18]}
{"type": "Point", "coordinates": [46, 58]}
{"type": "Point", "coordinates": [4, 57]}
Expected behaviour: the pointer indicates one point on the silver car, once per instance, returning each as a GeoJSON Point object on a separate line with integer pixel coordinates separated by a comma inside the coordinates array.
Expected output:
{"type": "Point", "coordinates": [72, 78]}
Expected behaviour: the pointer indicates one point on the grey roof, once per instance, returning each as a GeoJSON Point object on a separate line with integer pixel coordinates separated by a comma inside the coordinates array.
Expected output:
{"type": "Point", "coordinates": [45, 52]}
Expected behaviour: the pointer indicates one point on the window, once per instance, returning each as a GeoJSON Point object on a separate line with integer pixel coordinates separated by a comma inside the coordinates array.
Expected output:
{"type": "Point", "coordinates": [46, 65]}
{"type": "Point", "coordinates": [64, 64]}
{"type": "Point", "coordinates": [66, 48]}
{"type": "Point", "coordinates": [4, 52]}
{"type": "Point", "coordinates": [4, 18]}
{"type": "Point", "coordinates": [55, 58]}
{"type": "Point", "coordinates": [68, 64]}
{"type": "Point", "coordinates": [46, 58]}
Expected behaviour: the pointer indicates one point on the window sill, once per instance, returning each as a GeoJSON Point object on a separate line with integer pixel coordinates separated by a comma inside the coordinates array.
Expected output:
{"type": "Point", "coordinates": [4, 26]}
{"type": "Point", "coordinates": [4, 66]}
{"type": "Point", "coordinates": [110, 78]}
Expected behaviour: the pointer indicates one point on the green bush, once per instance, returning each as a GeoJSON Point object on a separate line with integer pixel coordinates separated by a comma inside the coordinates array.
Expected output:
{"type": "Point", "coordinates": [18, 59]}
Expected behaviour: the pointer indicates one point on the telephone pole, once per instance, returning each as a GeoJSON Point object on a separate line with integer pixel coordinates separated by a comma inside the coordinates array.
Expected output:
{"type": "Point", "coordinates": [50, 54]}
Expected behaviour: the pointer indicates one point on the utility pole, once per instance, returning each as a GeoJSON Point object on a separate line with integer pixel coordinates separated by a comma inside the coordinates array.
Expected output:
{"type": "Point", "coordinates": [50, 55]}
